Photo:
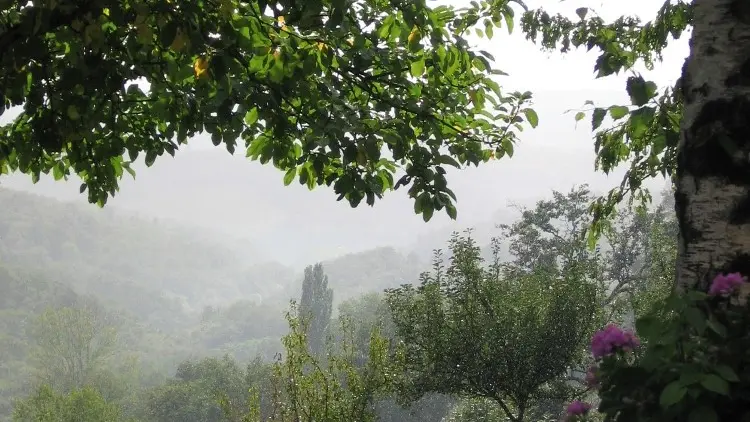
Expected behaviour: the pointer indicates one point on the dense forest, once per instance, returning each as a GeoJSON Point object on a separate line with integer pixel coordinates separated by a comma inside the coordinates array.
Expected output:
{"type": "Point", "coordinates": [130, 340]}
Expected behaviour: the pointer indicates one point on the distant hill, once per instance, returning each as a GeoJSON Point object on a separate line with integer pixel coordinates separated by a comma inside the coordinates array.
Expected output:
{"type": "Point", "coordinates": [354, 274]}
{"type": "Point", "coordinates": [160, 270]}
{"type": "Point", "coordinates": [148, 267]}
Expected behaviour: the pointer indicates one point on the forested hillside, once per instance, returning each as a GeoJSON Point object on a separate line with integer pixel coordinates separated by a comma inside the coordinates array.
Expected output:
{"type": "Point", "coordinates": [147, 267]}
{"type": "Point", "coordinates": [171, 291]}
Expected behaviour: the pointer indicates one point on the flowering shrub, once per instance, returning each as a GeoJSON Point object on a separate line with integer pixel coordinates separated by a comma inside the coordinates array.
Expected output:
{"type": "Point", "coordinates": [694, 365]}
{"type": "Point", "coordinates": [612, 340]}
{"type": "Point", "coordinates": [577, 410]}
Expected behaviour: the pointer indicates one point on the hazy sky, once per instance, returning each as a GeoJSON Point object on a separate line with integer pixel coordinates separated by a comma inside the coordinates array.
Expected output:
{"type": "Point", "coordinates": [286, 221]}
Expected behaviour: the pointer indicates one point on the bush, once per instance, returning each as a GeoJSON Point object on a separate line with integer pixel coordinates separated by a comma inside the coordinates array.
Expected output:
{"type": "Point", "coordinates": [694, 364]}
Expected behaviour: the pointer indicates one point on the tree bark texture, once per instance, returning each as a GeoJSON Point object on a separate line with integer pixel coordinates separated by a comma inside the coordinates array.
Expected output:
{"type": "Point", "coordinates": [713, 171]}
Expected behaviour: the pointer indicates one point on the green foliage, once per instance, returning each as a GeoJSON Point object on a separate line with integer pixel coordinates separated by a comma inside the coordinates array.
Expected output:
{"type": "Point", "coordinates": [549, 236]}
{"type": "Point", "coordinates": [208, 390]}
{"type": "Point", "coordinates": [643, 134]}
{"type": "Point", "coordinates": [315, 308]}
{"type": "Point", "coordinates": [147, 268]}
{"type": "Point", "coordinates": [473, 330]}
{"type": "Point", "coordinates": [693, 368]}
{"type": "Point", "coordinates": [330, 389]}
{"type": "Point", "coordinates": [70, 345]}
{"type": "Point", "coordinates": [640, 259]}
{"type": "Point", "coordinates": [363, 315]}
{"type": "Point", "coordinates": [85, 405]}
{"type": "Point", "coordinates": [476, 410]}
{"type": "Point", "coordinates": [660, 259]}
{"type": "Point", "coordinates": [331, 92]}
{"type": "Point", "coordinates": [239, 322]}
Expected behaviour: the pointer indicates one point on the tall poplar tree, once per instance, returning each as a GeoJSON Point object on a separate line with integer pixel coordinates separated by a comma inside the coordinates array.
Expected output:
{"type": "Point", "coordinates": [315, 307]}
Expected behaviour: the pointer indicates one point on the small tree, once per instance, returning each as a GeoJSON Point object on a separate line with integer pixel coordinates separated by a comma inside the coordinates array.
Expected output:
{"type": "Point", "coordinates": [69, 346]}
{"type": "Point", "coordinates": [85, 405]}
{"type": "Point", "coordinates": [309, 388]}
{"type": "Point", "coordinates": [467, 330]}
{"type": "Point", "coordinates": [315, 307]}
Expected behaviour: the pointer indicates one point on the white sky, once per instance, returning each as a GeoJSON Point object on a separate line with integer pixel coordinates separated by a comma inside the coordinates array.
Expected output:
{"type": "Point", "coordinates": [557, 155]}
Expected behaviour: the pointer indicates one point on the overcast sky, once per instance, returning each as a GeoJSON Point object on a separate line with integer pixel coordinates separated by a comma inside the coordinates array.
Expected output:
{"type": "Point", "coordinates": [285, 220]}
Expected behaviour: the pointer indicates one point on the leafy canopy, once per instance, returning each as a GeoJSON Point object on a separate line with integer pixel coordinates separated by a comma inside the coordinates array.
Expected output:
{"type": "Point", "coordinates": [335, 92]}
{"type": "Point", "coordinates": [642, 135]}
{"type": "Point", "coordinates": [473, 330]}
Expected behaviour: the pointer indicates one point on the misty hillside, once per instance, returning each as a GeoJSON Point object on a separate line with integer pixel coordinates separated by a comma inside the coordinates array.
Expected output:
{"type": "Point", "coordinates": [27, 293]}
{"type": "Point", "coordinates": [147, 267]}
{"type": "Point", "coordinates": [159, 269]}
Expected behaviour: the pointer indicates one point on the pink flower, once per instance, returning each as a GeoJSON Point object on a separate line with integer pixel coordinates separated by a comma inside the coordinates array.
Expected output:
{"type": "Point", "coordinates": [578, 408]}
{"type": "Point", "coordinates": [726, 284]}
{"type": "Point", "coordinates": [592, 380]}
{"type": "Point", "coordinates": [612, 339]}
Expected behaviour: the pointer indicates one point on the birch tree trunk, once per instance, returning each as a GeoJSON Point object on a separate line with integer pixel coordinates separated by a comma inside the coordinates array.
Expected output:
{"type": "Point", "coordinates": [713, 173]}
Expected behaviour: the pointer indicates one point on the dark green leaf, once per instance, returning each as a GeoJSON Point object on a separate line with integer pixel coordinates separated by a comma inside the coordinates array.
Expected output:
{"type": "Point", "coordinates": [532, 117]}
{"type": "Point", "coordinates": [597, 118]}
{"type": "Point", "coordinates": [717, 327]}
{"type": "Point", "coordinates": [672, 394]}
{"type": "Point", "coordinates": [640, 91]}
{"type": "Point", "coordinates": [727, 373]}
{"type": "Point", "coordinates": [618, 112]}
{"type": "Point", "coordinates": [695, 318]}
{"type": "Point", "coordinates": [716, 384]}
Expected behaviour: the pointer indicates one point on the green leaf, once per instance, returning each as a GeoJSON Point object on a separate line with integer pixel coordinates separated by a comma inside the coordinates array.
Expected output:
{"type": "Point", "coordinates": [57, 171]}
{"type": "Point", "coordinates": [727, 373]}
{"type": "Point", "coordinates": [672, 394]}
{"type": "Point", "coordinates": [509, 21]}
{"type": "Point", "coordinates": [150, 158]}
{"type": "Point", "coordinates": [72, 112]}
{"type": "Point", "coordinates": [597, 118]}
{"type": "Point", "coordinates": [532, 117]}
{"type": "Point", "coordinates": [639, 90]}
{"type": "Point", "coordinates": [417, 68]}
{"type": "Point", "coordinates": [716, 384]}
{"type": "Point", "coordinates": [427, 211]}
{"type": "Point", "coordinates": [717, 327]}
{"type": "Point", "coordinates": [695, 318]}
{"type": "Point", "coordinates": [289, 176]}
{"type": "Point", "coordinates": [580, 116]}
{"type": "Point", "coordinates": [251, 116]}
{"type": "Point", "coordinates": [618, 112]}
{"type": "Point", "coordinates": [451, 210]}
{"type": "Point", "coordinates": [448, 160]}
{"type": "Point", "coordinates": [691, 375]}
{"type": "Point", "coordinates": [507, 146]}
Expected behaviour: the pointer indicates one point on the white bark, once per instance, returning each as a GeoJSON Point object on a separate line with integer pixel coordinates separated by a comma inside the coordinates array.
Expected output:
{"type": "Point", "coordinates": [713, 176]}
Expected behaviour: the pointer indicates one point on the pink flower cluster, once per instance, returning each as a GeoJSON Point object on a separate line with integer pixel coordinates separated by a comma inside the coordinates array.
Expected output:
{"type": "Point", "coordinates": [726, 284]}
{"type": "Point", "coordinates": [612, 339]}
{"type": "Point", "coordinates": [577, 408]}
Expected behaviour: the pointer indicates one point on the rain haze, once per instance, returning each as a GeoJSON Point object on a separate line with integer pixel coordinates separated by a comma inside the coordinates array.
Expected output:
{"type": "Point", "coordinates": [199, 254]}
